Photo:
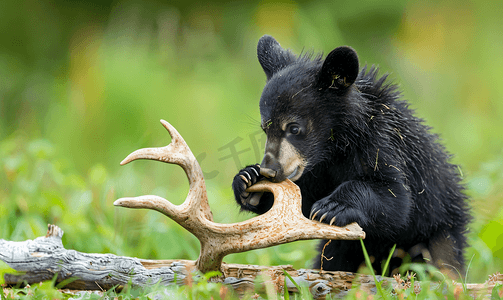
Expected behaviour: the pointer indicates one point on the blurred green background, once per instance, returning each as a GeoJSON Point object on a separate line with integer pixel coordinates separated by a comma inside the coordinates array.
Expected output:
{"type": "Point", "coordinates": [84, 83]}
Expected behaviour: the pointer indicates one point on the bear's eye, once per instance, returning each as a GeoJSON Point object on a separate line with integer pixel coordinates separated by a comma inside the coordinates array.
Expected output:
{"type": "Point", "coordinates": [294, 129]}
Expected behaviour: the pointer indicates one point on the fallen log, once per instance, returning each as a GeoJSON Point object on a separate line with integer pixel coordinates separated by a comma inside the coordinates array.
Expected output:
{"type": "Point", "coordinates": [45, 257]}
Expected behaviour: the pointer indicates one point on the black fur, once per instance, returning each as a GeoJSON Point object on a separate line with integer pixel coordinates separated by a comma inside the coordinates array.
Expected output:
{"type": "Point", "coordinates": [369, 159]}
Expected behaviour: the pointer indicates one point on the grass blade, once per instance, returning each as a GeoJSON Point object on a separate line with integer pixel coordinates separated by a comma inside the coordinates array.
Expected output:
{"type": "Point", "coordinates": [369, 265]}
{"type": "Point", "coordinates": [385, 268]}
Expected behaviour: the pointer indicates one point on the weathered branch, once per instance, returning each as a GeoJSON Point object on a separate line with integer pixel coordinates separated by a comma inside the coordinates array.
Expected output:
{"type": "Point", "coordinates": [283, 223]}
{"type": "Point", "coordinates": [44, 257]}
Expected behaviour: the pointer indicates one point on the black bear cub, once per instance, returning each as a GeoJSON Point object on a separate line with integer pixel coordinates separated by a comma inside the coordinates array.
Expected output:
{"type": "Point", "coordinates": [358, 154]}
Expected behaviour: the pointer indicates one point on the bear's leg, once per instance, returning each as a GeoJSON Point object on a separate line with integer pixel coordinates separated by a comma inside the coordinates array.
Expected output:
{"type": "Point", "coordinates": [446, 253]}
{"type": "Point", "coordinates": [339, 256]}
{"type": "Point", "coordinates": [380, 208]}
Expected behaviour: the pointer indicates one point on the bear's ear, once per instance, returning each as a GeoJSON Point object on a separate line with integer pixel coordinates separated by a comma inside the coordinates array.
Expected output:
{"type": "Point", "coordinates": [340, 69]}
{"type": "Point", "coordinates": [271, 56]}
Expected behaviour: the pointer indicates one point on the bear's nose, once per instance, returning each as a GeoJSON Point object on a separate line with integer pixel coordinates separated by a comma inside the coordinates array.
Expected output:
{"type": "Point", "coordinates": [269, 166]}
{"type": "Point", "coordinates": [269, 173]}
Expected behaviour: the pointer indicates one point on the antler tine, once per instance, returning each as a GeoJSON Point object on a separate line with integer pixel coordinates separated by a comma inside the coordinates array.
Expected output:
{"type": "Point", "coordinates": [283, 223]}
{"type": "Point", "coordinates": [174, 153]}
{"type": "Point", "coordinates": [177, 152]}
{"type": "Point", "coordinates": [287, 209]}
{"type": "Point", "coordinates": [152, 202]}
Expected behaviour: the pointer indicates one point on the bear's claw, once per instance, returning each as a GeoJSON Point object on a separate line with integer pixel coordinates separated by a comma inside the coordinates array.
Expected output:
{"type": "Point", "coordinates": [243, 180]}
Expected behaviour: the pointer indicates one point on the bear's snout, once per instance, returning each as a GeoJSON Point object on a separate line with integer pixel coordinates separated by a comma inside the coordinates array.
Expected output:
{"type": "Point", "coordinates": [270, 166]}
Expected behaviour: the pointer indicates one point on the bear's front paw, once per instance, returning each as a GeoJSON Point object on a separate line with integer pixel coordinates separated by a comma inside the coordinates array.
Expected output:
{"type": "Point", "coordinates": [243, 180]}
{"type": "Point", "coordinates": [335, 213]}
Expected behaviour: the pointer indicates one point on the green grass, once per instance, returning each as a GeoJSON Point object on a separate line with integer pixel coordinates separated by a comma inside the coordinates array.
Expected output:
{"type": "Point", "coordinates": [83, 85]}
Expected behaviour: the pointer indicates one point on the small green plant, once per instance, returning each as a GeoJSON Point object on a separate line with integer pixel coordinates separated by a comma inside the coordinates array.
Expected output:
{"type": "Point", "coordinates": [2, 295]}
{"type": "Point", "coordinates": [379, 284]}
{"type": "Point", "coordinates": [497, 293]}
{"type": "Point", "coordinates": [202, 287]}
{"type": "Point", "coordinates": [304, 292]}
{"type": "Point", "coordinates": [386, 264]}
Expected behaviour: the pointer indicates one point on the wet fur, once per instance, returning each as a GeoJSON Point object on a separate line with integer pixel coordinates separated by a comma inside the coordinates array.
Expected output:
{"type": "Point", "coordinates": [370, 160]}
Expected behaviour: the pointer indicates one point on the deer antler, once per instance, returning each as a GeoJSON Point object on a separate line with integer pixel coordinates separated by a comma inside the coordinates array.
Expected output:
{"type": "Point", "coordinates": [283, 223]}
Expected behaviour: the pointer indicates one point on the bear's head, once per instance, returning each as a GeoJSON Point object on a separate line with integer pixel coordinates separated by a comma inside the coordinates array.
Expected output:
{"type": "Point", "coordinates": [303, 107]}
